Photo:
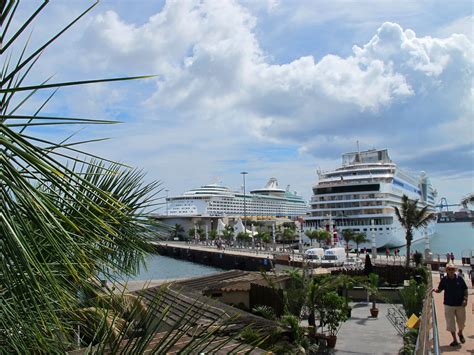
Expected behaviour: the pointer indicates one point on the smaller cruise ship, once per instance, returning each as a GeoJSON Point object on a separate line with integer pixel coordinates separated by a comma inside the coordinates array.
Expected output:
{"type": "Point", "coordinates": [361, 195]}
{"type": "Point", "coordinates": [215, 200]}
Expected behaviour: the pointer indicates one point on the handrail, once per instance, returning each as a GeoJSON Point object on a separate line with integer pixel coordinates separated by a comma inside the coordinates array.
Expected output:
{"type": "Point", "coordinates": [427, 341]}
{"type": "Point", "coordinates": [436, 350]}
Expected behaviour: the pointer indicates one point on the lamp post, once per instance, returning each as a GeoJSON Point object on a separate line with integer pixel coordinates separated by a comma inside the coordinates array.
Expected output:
{"type": "Point", "coordinates": [167, 201]}
{"type": "Point", "coordinates": [245, 203]}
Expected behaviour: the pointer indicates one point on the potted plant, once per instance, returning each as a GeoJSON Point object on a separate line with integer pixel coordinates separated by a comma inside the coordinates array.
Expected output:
{"type": "Point", "coordinates": [332, 314]}
{"type": "Point", "coordinates": [346, 283]}
{"type": "Point", "coordinates": [373, 291]}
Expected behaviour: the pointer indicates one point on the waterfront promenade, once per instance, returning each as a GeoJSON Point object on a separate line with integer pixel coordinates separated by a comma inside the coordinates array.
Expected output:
{"type": "Point", "coordinates": [445, 337]}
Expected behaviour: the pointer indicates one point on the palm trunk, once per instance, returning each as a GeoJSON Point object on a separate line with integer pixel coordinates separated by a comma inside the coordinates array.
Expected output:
{"type": "Point", "coordinates": [409, 238]}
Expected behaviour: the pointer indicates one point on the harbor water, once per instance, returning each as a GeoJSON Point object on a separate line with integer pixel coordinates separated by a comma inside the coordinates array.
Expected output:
{"type": "Point", "coordinates": [457, 238]}
{"type": "Point", "coordinates": [449, 237]}
{"type": "Point", "coordinates": [164, 268]}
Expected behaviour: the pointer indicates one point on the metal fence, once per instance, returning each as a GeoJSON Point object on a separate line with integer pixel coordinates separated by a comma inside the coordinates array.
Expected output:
{"type": "Point", "coordinates": [427, 342]}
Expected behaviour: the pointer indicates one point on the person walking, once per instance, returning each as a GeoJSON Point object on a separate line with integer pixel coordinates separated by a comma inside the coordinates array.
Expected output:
{"type": "Point", "coordinates": [471, 275]}
{"type": "Point", "coordinates": [455, 302]}
{"type": "Point", "coordinates": [452, 257]}
{"type": "Point", "coordinates": [387, 253]}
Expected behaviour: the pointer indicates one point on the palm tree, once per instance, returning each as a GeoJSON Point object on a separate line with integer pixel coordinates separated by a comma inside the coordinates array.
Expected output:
{"type": "Point", "coordinates": [288, 234]}
{"type": "Point", "coordinates": [347, 235]}
{"type": "Point", "coordinates": [311, 234]}
{"type": "Point", "coordinates": [359, 238]}
{"type": "Point", "coordinates": [213, 234]}
{"type": "Point", "coordinates": [228, 232]}
{"type": "Point", "coordinates": [322, 236]}
{"type": "Point", "coordinates": [192, 233]}
{"type": "Point", "coordinates": [469, 199]}
{"type": "Point", "coordinates": [178, 230]}
{"type": "Point", "coordinates": [67, 217]}
{"type": "Point", "coordinates": [411, 218]}
{"type": "Point", "coordinates": [265, 236]}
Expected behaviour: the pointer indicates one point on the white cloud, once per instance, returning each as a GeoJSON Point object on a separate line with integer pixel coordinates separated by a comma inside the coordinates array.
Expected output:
{"type": "Point", "coordinates": [464, 25]}
{"type": "Point", "coordinates": [218, 92]}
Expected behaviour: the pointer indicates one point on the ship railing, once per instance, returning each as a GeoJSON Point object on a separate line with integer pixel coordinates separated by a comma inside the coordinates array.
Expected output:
{"type": "Point", "coordinates": [428, 341]}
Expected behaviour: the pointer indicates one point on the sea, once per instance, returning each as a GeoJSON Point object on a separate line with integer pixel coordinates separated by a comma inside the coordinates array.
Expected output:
{"type": "Point", "coordinates": [457, 238]}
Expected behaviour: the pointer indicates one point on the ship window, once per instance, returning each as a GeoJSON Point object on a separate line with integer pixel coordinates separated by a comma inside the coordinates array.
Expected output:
{"type": "Point", "coordinates": [350, 188]}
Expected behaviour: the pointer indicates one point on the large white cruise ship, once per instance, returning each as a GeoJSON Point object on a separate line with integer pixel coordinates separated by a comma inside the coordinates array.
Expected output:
{"type": "Point", "coordinates": [361, 196]}
{"type": "Point", "coordinates": [215, 200]}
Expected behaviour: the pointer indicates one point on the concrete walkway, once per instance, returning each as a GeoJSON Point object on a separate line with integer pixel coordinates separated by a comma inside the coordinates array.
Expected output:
{"type": "Point", "coordinates": [362, 334]}
{"type": "Point", "coordinates": [445, 337]}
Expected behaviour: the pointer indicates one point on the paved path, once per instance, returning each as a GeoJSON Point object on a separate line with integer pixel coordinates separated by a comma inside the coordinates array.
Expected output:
{"type": "Point", "coordinates": [445, 337]}
{"type": "Point", "coordinates": [362, 334]}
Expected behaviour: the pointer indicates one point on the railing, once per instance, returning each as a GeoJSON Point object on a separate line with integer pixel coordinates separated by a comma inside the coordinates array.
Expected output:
{"type": "Point", "coordinates": [427, 341]}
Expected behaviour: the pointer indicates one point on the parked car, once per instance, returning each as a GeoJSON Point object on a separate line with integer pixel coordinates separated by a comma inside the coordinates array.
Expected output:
{"type": "Point", "coordinates": [354, 262]}
{"type": "Point", "coordinates": [334, 257]}
{"type": "Point", "coordinates": [314, 255]}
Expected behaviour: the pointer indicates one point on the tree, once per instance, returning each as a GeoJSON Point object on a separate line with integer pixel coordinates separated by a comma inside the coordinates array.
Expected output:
{"type": "Point", "coordinates": [288, 234]}
{"type": "Point", "coordinates": [333, 312]}
{"type": "Point", "coordinates": [347, 235]}
{"type": "Point", "coordinates": [178, 231]}
{"type": "Point", "coordinates": [411, 218]}
{"type": "Point", "coordinates": [311, 234]}
{"type": "Point", "coordinates": [265, 236]}
{"type": "Point", "coordinates": [192, 232]}
{"type": "Point", "coordinates": [359, 238]}
{"type": "Point", "coordinates": [373, 289]}
{"type": "Point", "coordinates": [66, 216]}
{"type": "Point", "coordinates": [243, 237]}
{"type": "Point", "coordinates": [322, 236]}
{"type": "Point", "coordinates": [213, 234]}
{"type": "Point", "coordinates": [469, 199]}
{"type": "Point", "coordinates": [228, 232]}
{"type": "Point", "coordinates": [68, 219]}
{"type": "Point", "coordinates": [314, 291]}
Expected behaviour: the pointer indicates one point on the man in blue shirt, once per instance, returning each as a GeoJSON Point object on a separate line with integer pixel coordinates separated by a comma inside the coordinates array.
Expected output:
{"type": "Point", "coordinates": [455, 302]}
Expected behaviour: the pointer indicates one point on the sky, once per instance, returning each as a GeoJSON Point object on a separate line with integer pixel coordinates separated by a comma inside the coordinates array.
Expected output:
{"type": "Point", "coordinates": [275, 88]}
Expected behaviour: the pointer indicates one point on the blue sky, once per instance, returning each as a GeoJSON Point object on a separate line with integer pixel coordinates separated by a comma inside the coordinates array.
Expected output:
{"type": "Point", "coordinates": [275, 88]}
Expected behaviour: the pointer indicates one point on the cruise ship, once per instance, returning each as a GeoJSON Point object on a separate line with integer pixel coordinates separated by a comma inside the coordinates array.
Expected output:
{"type": "Point", "coordinates": [361, 196]}
{"type": "Point", "coordinates": [215, 200]}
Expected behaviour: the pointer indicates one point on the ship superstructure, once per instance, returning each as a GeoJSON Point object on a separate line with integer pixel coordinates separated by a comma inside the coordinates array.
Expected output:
{"type": "Point", "coordinates": [361, 195]}
{"type": "Point", "coordinates": [215, 200]}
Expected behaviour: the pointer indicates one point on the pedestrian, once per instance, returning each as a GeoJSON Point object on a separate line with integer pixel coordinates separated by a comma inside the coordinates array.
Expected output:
{"type": "Point", "coordinates": [455, 302]}
{"type": "Point", "coordinates": [448, 257]}
{"type": "Point", "coordinates": [387, 253]}
{"type": "Point", "coordinates": [365, 250]}
{"type": "Point", "coordinates": [460, 274]}
{"type": "Point", "coordinates": [452, 257]}
{"type": "Point", "coordinates": [471, 274]}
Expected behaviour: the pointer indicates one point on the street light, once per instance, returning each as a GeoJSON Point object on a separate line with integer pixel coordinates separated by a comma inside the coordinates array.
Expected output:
{"type": "Point", "coordinates": [245, 203]}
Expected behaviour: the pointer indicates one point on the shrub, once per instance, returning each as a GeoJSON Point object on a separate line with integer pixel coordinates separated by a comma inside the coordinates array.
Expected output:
{"type": "Point", "coordinates": [413, 296]}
